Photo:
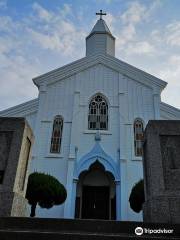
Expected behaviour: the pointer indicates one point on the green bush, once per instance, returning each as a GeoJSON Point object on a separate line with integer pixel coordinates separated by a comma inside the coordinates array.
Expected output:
{"type": "Point", "coordinates": [136, 198]}
{"type": "Point", "coordinates": [45, 190]}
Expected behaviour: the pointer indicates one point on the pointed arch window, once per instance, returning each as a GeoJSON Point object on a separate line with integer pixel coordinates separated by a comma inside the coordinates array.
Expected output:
{"type": "Point", "coordinates": [98, 113]}
{"type": "Point", "coordinates": [138, 137]}
{"type": "Point", "coordinates": [56, 135]}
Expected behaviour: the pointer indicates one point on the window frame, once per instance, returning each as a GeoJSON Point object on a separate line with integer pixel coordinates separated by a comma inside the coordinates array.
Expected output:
{"type": "Point", "coordinates": [139, 156]}
{"type": "Point", "coordinates": [98, 115]}
{"type": "Point", "coordinates": [60, 137]}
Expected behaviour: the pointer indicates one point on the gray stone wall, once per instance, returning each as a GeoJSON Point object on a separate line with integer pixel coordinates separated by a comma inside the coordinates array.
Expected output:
{"type": "Point", "coordinates": [161, 163]}
{"type": "Point", "coordinates": [16, 139]}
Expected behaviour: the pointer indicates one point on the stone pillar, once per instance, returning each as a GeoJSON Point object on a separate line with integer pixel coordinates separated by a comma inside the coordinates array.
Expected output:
{"type": "Point", "coordinates": [16, 140]}
{"type": "Point", "coordinates": [162, 171]}
{"type": "Point", "coordinates": [118, 200]}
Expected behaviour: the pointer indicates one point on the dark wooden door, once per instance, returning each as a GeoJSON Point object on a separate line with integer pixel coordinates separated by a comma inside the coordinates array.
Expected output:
{"type": "Point", "coordinates": [95, 202]}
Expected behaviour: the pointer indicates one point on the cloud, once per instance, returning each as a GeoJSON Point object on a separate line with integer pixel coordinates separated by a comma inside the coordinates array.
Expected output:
{"type": "Point", "coordinates": [132, 19]}
{"type": "Point", "coordinates": [140, 48]}
{"type": "Point", "coordinates": [47, 38]}
{"type": "Point", "coordinates": [170, 71]}
{"type": "Point", "coordinates": [66, 10]}
{"type": "Point", "coordinates": [41, 12]}
{"type": "Point", "coordinates": [173, 33]}
{"type": "Point", "coordinates": [28, 45]}
{"type": "Point", "coordinates": [134, 13]}
{"type": "Point", "coordinates": [59, 34]}
{"type": "Point", "coordinates": [16, 84]}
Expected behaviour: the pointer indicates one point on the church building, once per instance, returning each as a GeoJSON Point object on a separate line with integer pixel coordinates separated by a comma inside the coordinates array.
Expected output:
{"type": "Point", "coordinates": [88, 122]}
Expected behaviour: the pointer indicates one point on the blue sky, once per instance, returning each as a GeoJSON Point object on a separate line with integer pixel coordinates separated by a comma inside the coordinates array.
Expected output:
{"type": "Point", "coordinates": [41, 35]}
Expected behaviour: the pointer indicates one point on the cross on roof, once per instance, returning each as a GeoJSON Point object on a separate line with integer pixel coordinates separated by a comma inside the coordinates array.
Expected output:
{"type": "Point", "coordinates": [101, 14]}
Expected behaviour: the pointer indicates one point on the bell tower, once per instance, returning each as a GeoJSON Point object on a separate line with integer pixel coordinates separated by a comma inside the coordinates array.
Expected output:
{"type": "Point", "coordinates": [100, 40]}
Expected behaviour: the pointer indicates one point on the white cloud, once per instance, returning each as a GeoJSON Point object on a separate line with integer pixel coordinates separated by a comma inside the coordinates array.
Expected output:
{"type": "Point", "coordinates": [66, 10]}
{"type": "Point", "coordinates": [27, 47]}
{"type": "Point", "coordinates": [41, 12]}
{"type": "Point", "coordinates": [139, 48]}
{"type": "Point", "coordinates": [170, 71]}
{"type": "Point", "coordinates": [16, 83]}
{"type": "Point", "coordinates": [131, 20]}
{"type": "Point", "coordinates": [46, 39]}
{"type": "Point", "coordinates": [59, 34]}
{"type": "Point", "coordinates": [134, 13]}
{"type": "Point", "coordinates": [173, 33]}
{"type": "Point", "coordinates": [156, 4]}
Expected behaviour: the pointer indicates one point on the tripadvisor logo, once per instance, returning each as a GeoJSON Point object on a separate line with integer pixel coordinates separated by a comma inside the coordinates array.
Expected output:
{"type": "Point", "coordinates": [139, 231]}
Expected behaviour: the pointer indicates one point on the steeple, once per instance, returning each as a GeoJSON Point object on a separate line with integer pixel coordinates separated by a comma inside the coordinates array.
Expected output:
{"type": "Point", "coordinates": [100, 40]}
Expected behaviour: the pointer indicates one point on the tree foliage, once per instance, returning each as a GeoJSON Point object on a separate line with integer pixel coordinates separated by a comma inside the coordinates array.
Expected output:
{"type": "Point", "coordinates": [137, 198]}
{"type": "Point", "coordinates": [45, 190]}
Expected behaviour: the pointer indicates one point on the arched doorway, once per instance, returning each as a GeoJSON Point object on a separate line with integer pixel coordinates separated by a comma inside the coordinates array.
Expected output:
{"type": "Point", "coordinates": [96, 194]}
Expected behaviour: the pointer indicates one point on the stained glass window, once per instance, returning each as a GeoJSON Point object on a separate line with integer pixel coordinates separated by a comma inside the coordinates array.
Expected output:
{"type": "Point", "coordinates": [98, 113]}
{"type": "Point", "coordinates": [56, 135]}
{"type": "Point", "coordinates": [138, 137]}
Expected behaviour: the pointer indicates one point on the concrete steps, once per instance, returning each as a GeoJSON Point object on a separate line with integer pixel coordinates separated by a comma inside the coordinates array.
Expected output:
{"type": "Point", "coordinates": [68, 229]}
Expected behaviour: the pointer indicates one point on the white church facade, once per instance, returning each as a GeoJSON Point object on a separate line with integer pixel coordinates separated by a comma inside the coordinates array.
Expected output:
{"type": "Point", "coordinates": [88, 122]}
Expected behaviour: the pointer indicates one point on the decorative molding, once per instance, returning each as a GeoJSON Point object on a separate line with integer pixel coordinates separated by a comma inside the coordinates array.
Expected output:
{"type": "Point", "coordinates": [102, 132]}
{"type": "Point", "coordinates": [97, 153]}
{"type": "Point", "coordinates": [128, 123]}
{"type": "Point", "coordinates": [54, 155]}
{"type": "Point", "coordinates": [106, 60]}
{"type": "Point", "coordinates": [46, 121]}
{"type": "Point", "coordinates": [43, 88]}
{"type": "Point", "coordinates": [136, 158]}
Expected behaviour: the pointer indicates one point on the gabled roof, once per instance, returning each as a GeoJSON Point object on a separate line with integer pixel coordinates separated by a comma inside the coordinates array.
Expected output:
{"type": "Point", "coordinates": [107, 60]}
{"type": "Point", "coordinates": [169, 112]}
{"type": "Point", "coordinates": [23, 109]}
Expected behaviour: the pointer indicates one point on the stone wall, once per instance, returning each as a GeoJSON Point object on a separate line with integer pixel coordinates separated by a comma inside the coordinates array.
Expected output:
{"type": "Point", "coordinates": [161, 164]}
{"type": "Point", "coordinates": [16, 139]}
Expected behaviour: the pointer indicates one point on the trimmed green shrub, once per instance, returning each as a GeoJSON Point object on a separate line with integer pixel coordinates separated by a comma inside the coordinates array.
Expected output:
{"type": "Point", "coordinates": [45, 190]}
{"type": "Point", "coordinates": [136, 198]}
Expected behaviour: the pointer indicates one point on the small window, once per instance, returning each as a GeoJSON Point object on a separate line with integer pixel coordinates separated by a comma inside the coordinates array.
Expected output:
{"type": "Point", "coordinates": [98, 113]}
{"type": "Point", "coordinates": [138, 137]}
{"type": "Point", "coordinates": [56, 135]}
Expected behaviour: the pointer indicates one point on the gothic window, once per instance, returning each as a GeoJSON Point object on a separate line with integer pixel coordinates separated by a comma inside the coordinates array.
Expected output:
{"type": "Point", "coordinates": [138, 137]}
{"type": "Point", "coordinates": [98, 113]}
{"type": "Point", "coordinates": [56, 135]}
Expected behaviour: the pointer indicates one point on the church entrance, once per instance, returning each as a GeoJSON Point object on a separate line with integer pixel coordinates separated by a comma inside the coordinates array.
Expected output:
{"type": "Point", "coordinates": [95, 202]}
{"type": "Point", "coordinates": [95, 197]}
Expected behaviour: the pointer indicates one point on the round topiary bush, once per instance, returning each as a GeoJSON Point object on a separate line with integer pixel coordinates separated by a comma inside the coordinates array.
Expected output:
{"type": "Point", "coordinates": [45, 190]}
{"type": "Point", "coordinates": [136, 198]}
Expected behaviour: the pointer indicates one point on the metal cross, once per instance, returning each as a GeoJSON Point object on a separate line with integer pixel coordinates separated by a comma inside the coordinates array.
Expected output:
{"type": "Point", "coordinates": [101, 14]}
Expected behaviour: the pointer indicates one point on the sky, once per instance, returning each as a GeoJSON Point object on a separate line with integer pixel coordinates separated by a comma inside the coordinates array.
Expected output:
{"type": "Point", "coordinates": [42, 35]}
